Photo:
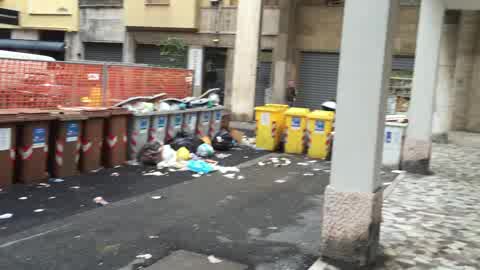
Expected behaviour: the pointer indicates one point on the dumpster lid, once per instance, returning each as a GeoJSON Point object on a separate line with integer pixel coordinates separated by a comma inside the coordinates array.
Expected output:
{"type": "Point", "coordinates": [157, 97]}
{"type": "Point", "coordinates": [36, 115]}
{"type": "Point", "coordinates": [269, 109]}
{"type": "Point", "coordinates": [68, 115]}
{"type": "Point", "coordinates": [10, 115]}
{"type": "Point", "coordinates": [281, 106]}
{"type": "Point", "coordinates": [297, 112]}
{"type": "Point", "coordinates": [119, 111]}
{"type": "Point", "coordinates": [90, 112]}
{"type": "Point", "coordinates": [321, 115]}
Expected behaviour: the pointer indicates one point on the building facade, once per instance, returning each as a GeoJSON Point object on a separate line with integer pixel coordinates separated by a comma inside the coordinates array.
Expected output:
{"type": "Point", "coordinates": [299, 45]}
{"type": "Point", "coordinates": [45, 27]}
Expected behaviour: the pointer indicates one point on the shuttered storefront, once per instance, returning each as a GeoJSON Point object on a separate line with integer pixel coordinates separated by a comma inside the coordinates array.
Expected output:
{"type": "Point", "coordinates": [151, 55]}
{"type": "Point", "coordinates": [264, 73]}
{"type": "Point", "coordinates": [105, 52]}
{"type": "Point", "coordinates": [319, 74]}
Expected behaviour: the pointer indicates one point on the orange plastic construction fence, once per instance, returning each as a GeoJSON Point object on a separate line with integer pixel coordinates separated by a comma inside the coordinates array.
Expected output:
{"type": "Point", "coordinates": [43, 84]}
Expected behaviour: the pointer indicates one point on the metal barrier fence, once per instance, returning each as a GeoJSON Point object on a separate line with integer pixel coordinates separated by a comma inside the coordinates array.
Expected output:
{"type": "Point", "coordinates": [42, 84]}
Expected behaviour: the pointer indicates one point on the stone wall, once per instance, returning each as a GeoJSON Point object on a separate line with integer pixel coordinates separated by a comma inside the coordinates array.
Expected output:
{"type": "Point", "coordinates": [102, 25]}
{"type": "Point", "coordinates": [319, 28]}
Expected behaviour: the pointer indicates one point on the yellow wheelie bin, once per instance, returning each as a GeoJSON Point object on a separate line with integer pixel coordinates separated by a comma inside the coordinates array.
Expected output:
{"type": "Point", "coordinates": [284, 107]}
{"type": "Point", "coordinates": [269, 122]}
{"type": "Point", "coordinates": [319, 128]}
{"type": "Point", "coordinates": [295, 136]}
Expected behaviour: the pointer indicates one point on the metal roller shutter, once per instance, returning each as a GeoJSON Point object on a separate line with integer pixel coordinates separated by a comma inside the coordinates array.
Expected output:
{"type": "Point", "coordinates": [105, 52]}
{"type": "Point", "coordinates": [319, 75]}
{"type": "Point", "coordinates": [151, 55]}
{"type": "Point", "coordinates": [403, 63]}
{"type": "Point", "coordinates": [264, 72]}
{"type": "Point", "coordinates": [318, 79]}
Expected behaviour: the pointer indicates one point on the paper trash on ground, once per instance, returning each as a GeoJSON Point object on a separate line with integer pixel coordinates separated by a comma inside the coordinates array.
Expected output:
{"type": "Point", "coordinates": [6, 216]}
{"type": "Point", "coordinates": [157, 197]}
{"type": "Point", "coordinates": [222, 155]}
{"type": "Point", "coordinates": [144, 256]}
{"type": "Point", "coordinates": [56, 180]}
{"type": "Point", "coordinates": [23, 198]}
{"type": "Point", "coordinates": [230, 176]}
{"type": "Point", "coordinates": [214, 260]}
{"type": "Point", "coordinates": [280, 181]}
{"type": "Point", "coordinates": [39, 210]}
{"type": "Point", "coordinates": [100, 201]}
{"type": "Point", "coordinates": [115, 174]}
{"type": "Point", "coordinates": [154, 174]}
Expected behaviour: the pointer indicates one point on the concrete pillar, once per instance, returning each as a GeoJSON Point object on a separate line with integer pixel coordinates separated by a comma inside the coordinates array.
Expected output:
{"type": "Point", "coordinates": [467, 39]}
{"type": "Point", "coordinates": [195, 63]}
{"type": "Point", "coordinates": [473, 108]}
{"type": "Point", "coordinates": [229, 78]}
{"type": "Point", "coordinates": [74, 49]}
{"type": "Point", "coordinates": [284, 50]}
{"type": "Point", "coordinates": [444, 103]}
{"type": "Point", "coordinates": [25, 34]}
{"type": "Point", "coordinates": [129, 47]}
{"type": "Point", "coordinates": [247, 44]}
{"type": "Point", "coordinates": [353, 200]}
{"type": "Point", "coordinates": [418, 144]}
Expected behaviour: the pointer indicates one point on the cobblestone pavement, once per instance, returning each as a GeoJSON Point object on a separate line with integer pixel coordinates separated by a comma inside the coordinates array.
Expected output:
{"type": "Point", "coordinates": [433, 222]}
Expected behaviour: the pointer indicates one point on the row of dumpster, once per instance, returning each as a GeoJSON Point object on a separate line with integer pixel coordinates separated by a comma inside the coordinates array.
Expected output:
{"type": "Point", "coordinates": [298, 129]}
{"type": "Point", "coordinates": [38, 144]}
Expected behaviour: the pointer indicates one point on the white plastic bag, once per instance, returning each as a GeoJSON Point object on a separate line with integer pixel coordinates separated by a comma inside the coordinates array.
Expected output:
{"type": "Point", "coordinates": [169, 157]}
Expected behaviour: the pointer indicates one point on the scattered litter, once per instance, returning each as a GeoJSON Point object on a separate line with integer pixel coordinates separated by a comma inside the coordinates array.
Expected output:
{"type": "Point", "coordinates": [196, 175]}
{"type": "Point", "coordinates": [43, 185]}
{"type": "Point", "coordinates": [308, 174]}
{"type": "Point", "coordinates": [183, 154]}
{"type": "Point", "coordinates": [206, 150]}
{"type": "Point", "coordinates": [275, 160]}
{"type": "Point", "coordinates": [213, 259]}
{"type": "Point", "coordinates": [100, 200]}
{"type": "Point", "coordinates": [225, 170]}
{"type": "Point", "coordinates": [172, 170]}
{"type": "Point", "coordinates": [133, 163]}
{"type": "Point", "coordinates": [222, 155]}
{"type": "Point", "coordinates": [115, 174]}
{"type": "Point", "coordinates": [286, 161]}
{"type": "Point", "coordinates": [302, 164]}
{"type": "Point", "coordinates": [240, 177]}
{"type": "Point", "coordinates": [57, 180]}
{"type": "Point", "coordinates": [199, 166]}
{"type": "Point", "coordinates": [246, 157]}
{"type": "Point", "coordinates": [76, 236]}
{"type": "Point", "coordinates": [153, 237]}
{"type": "Point", "coordinates": [52, 198]}
{"type": "Point", "coordinates": [116, 167]}
{"type": "Point", "coordinates": [312, 161]}
{"type": "Point", "coordinates": [39, 210]}
{"type": "Point", "coordinates": [387, 184]}
{"type": "Point", "coordinates": [230, 176]}
{"type": "Point", "coordinates": [23, 198]}
{"type": "Point", "coordinates": [75, 187]}
{"type": "Point", "coordinates": [317, 169]}
{"type": "Point", "coordinates": [6, 216]}
{"type": "Point", "coordinates": [261, 164]}
{"type": "Point", "coordinates": [144, 256]}
{"type": "Point", "coordinates": [157, 197]}
{"type": "Point", "coordinates": [97, 170]}
{"type": "Point", "coordinates": [398, 171]}
{"type": "Point", "coordinates": [273, 228]}
{"type": "Point", "coordinates": [280, 181]}
{"type": "Point", "coordinates": [154, 174]}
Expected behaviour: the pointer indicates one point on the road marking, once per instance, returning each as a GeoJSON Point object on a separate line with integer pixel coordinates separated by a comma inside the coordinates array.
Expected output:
{"type": "Point", "coordinates": [11, 243]}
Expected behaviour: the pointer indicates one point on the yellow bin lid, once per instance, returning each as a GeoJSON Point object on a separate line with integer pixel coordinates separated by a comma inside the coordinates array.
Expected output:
{"type": "Point", "coordinates": [321, 115]}
{"type": "Point", "coordinates": [269, 109]}
{"type": "Point", "coordinates": [282, 106]}
{"type": "Point", "coordinates": [297, 112]}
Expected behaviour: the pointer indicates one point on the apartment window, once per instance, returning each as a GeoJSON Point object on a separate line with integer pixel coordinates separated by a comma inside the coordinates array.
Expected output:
{"type": "Point", "coordinates": [157, 2]}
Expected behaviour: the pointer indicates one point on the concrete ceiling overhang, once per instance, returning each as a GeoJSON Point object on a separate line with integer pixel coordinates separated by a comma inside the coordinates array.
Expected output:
{"type": "Point", "coordinates": [462, 4]}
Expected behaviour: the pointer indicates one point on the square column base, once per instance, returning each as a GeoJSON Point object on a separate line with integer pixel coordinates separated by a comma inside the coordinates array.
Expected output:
{"type": "Point", "coordinates": [351, 226]}
{"type": "Point", "coordinates": [416, 156]}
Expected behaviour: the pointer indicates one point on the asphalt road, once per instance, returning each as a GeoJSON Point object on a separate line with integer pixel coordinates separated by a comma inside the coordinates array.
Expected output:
{"type": "Point", "coordinates": [270, 219]}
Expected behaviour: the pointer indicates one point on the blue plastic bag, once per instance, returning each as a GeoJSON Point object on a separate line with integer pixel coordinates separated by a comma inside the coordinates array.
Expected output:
{"type": "Point", "coordinates": [199, 166]}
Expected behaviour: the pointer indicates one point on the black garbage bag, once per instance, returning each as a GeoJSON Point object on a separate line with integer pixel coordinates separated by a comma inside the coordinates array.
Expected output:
{"type": "Point", "coordinates": [223, 141]}
{"type": "Point", "coordinates": [185, 140]}
{"type": "Point", "coordinates": [150, 154]}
